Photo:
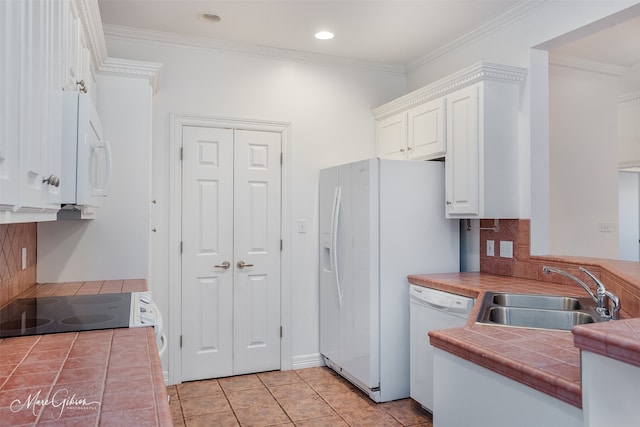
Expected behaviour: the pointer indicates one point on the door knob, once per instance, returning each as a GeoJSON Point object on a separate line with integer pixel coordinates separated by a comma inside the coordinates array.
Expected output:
{"type": "Point", "coordinates": [224, 265]}
{"type": "Point", "coordinates": [242, 264]}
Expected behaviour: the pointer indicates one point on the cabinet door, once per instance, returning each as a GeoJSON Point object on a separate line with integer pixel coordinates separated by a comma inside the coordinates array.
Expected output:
{"type": "Point", "coordinates": [463, 180]}
{"type": "Point", "coordinates": [425, 128]}
{"type": "Point", "coordinates": [9, 88]}
{"type": "Point", "coordinates": [40, 87]}
{"type": "Point", "coordinates": [392, 137]}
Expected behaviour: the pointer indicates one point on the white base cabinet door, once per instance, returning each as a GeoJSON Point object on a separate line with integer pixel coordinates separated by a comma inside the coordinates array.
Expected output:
{"type": "Point", "coordinates": [466, 394]}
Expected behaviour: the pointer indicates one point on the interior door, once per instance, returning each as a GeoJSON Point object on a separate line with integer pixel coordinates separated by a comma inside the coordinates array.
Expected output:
{"type": "Point", "coordinates": [231, 252]}
{"type": "Point", "coordinates": [256, 306]}
{"type": "Point", "coordinates": [207, 249]}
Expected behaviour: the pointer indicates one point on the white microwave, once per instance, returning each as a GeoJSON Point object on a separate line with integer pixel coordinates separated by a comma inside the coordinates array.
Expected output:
{"type": "Point", "coordinates": [86, 156]}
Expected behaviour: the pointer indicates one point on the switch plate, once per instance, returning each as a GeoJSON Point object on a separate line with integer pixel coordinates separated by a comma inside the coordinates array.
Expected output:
{"type": "Point", "coordinates": [490, 248]}
{"type": "Point", "coordinates": [506, 249]}
{"type": "Point", "coordinates": [302, 225]}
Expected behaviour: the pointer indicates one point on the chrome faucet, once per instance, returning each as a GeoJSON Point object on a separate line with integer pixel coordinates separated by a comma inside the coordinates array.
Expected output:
{"type": "Point", "coordinates": [603, 298]}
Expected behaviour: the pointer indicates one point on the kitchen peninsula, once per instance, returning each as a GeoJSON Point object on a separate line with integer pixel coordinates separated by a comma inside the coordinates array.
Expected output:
{"type": "Point", "coordinates": [545, 361]}
{"type": "Point", "coordinates": [110, 377]}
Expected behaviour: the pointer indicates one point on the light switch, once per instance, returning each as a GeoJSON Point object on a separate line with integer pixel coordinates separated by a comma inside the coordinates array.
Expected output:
{"type": "Point", "coordinates": [490, 248]}
{"type": "Point", "coordinates": [24, 258]}
{"type": "Point", "coordinates": [302, 225]}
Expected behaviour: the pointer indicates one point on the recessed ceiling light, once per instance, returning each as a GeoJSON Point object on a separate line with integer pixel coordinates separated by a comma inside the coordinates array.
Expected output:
{"type": "Point", "coordinates": [324, 35]}
{"type": "Point", "coordinates": [209, 17]}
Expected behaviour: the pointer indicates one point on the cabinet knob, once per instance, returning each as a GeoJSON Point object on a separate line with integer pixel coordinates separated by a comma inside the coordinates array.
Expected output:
{"type": "Point", "coordinates": [52, 180]}
{"type": "Point", "coordinates": [448, 202]}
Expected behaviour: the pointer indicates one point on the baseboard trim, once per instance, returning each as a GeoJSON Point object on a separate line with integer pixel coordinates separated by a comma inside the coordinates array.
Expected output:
{"type": "Point", "coordinates": [307, 361]}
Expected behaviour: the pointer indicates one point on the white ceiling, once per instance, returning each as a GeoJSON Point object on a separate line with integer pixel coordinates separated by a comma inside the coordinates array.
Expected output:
{"type": "Point", "coordinates": [390, 32]}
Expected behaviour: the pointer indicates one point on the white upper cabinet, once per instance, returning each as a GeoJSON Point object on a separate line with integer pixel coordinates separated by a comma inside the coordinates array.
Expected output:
{"type": "Point", "coordinates": [471, 119]}
{"type": "Point", "coordinates": [392, 137]}
{"type": "Point", "coordinates": [425, 130]}
{"type": "Point", "coordinates": [34, 46]}
{"type": "Point", "coordinates": [415, 134]}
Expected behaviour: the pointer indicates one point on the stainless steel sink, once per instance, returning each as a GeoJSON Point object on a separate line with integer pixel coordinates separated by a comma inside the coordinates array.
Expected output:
{"type": "Point", "coordinates": [537, 318]}
{"type": "Point", "coordinates": [549, 302]}
{"type": "Point", "coordinates": [536, 311]}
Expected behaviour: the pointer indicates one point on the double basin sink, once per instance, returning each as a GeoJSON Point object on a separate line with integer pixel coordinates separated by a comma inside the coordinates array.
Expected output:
{"type": "Point", "coordinates": [537, 311]}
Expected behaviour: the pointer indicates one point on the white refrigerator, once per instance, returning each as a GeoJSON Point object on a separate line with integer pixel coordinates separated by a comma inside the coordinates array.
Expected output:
{"type": "Point", "coordinates": [380, 220]}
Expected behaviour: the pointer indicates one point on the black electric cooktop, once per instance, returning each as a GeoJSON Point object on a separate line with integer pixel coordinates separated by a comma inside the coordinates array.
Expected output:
{"type": "Point", "coordinates": [50, 315]}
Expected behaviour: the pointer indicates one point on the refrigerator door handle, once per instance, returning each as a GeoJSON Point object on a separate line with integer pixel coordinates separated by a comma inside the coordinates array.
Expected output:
{"type": "Point", "coordinates": [337, 198]}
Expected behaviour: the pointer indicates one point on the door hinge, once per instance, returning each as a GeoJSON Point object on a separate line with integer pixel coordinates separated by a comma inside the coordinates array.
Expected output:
{"type": "Point", "coordinates": [181, 247]}
{"type": "Point", "coordinates": [180, 341]}
{"type": "Point", "coordinates": [281, 159]}
{"type": "Point", "coordinates": [280, 331]}
{"type": "Point", "coordinates": [181, 153]}
{"type": "Point", "coordinates": [280, 245]}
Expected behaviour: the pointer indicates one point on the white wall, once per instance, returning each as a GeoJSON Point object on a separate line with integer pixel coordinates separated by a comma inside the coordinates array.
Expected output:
{"type": "Point", "coordinates": [583, 163]}
{"type": "Point", "coordinates": [328, 106]}
{"type": "Point", "coordinates": [115, 245]}
{"type": "Point", "coordinates": [512, 44]}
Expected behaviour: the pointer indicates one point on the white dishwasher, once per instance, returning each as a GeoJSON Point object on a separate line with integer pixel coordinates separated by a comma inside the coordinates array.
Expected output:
{"type": "Point", "coordinates": [430, 309]}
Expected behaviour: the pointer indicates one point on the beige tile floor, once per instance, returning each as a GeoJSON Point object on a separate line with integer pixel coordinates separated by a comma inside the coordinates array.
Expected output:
{"type": "Point", "coordinates": [310, 397]}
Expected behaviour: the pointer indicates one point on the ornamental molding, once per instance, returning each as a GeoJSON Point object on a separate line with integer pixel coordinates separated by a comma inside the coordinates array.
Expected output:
{"type": "Point", "coordinates": [130, 68]}
{"type": "Point", "coordinates": [629, 99]}
{"type": "Point", "coordinates": [481, 71]}
{"type": "Point", "coordinates": [89, 15]}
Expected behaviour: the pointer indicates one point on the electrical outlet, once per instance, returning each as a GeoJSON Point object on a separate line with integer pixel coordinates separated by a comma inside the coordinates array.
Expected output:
{"type": "Point", "coordinates": [506, 249]}
{"type": "Point", "coordinates": [490, 248]}
{"type": "Point", "coordinates": [606, 227]}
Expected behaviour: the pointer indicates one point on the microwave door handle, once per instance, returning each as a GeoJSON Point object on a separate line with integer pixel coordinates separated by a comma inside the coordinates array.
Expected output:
{"type": "Point", "coordinates": [102, 191]}
{"type": "Point", "coordinates": [107, 179]}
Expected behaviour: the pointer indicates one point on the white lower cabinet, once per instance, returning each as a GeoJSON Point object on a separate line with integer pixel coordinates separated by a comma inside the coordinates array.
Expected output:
{"type": "Point", "coordinates": [466, 394]}
{"type": "Point", "coordinates": [609, 391]}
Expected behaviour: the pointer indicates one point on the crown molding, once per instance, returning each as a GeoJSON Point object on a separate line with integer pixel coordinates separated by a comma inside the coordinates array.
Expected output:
{"type": "Point", "coordinates": [89, 15]}
{"type": "Point", "coordinates": [163, 38]}
{"type": "Point", "coordinates": [480, 71]}
{"type": "Point", "coordinates": [629, 99]}
{"type": "Point", "coordinates": [488, 27]}
{"type": "Point", "coordinates": [130, 68]}
{"type": "Point", "coordinates": [593, 67]}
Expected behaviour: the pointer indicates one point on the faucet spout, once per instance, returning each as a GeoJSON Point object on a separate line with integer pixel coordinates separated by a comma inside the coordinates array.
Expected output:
{"type": "Point", "coordinates": [607, 303]}
{"type": "Point", "coordinates": [547, 270]}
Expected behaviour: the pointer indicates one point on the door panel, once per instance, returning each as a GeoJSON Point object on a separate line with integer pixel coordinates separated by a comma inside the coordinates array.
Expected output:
{"type": "Point", "coordinates": [207, 290]}
{"type": "Point", "coordinates": [257, 243]}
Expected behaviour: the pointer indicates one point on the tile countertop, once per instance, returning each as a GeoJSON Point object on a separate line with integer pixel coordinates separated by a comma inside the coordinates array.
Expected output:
{"type": "Point", "coordinates": [548, 361]}
{"type": "Point", "coordinates": [110, 377]}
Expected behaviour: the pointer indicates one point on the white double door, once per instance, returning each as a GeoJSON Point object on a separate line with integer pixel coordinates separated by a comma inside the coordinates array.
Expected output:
{"type": "Point", "coordinates": [231, 192]}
